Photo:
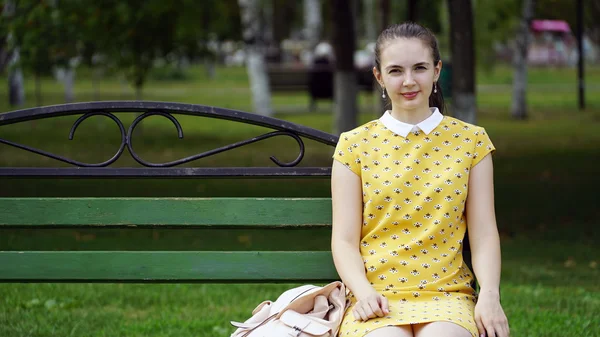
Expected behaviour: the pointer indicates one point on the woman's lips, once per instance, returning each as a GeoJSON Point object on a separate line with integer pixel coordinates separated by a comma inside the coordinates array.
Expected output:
{"type": "Point", "coordinates": [410, 95]}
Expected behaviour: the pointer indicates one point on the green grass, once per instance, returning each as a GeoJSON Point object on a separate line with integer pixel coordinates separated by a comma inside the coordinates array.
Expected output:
{"type": "Point", "coordinates": [545, 179]}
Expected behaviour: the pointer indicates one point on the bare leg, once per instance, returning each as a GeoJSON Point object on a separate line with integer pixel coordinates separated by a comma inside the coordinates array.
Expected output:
{"type": "Point", "coordinates": [392, 331]}
{"type": "Point", "coordinates": [440, 329]}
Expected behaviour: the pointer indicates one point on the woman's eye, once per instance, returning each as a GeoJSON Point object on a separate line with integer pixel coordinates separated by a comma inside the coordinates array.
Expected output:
{"type": "Point", "coordinates": [421, 68]}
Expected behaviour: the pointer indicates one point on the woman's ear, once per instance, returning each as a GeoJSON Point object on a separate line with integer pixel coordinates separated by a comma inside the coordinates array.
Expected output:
{"type": "Point", "coordinates": [377, 75]}
{"type": "Point", "coordinates": [437, 71]}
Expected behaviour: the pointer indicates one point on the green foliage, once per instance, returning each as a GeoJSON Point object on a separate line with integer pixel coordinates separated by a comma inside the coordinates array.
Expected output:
{"type": "Point", "coordinates": [494, 22]}
{"type": "Point", "coordinates": [44, 35]}
{"type": "Point", "coordinates": [127, 36]}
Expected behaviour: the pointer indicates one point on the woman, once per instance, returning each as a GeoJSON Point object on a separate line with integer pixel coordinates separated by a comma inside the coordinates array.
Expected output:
{"type": "Point", "coordinates": [400, 208]}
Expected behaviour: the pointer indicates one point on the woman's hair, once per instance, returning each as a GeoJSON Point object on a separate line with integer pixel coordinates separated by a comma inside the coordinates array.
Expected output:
{"type": "Point", "coordinates": [408, 30]}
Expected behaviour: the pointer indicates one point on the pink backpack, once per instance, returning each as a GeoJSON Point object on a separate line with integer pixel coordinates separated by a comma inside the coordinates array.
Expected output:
{"type": "Point", "coordinates": [306, 311]}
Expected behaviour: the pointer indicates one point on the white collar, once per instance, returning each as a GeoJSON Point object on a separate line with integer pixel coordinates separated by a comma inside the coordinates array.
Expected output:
{"type": "Point", "coordinates": [403, 129]}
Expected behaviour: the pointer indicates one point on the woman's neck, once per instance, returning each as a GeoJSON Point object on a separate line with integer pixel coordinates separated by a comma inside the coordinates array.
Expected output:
{"type": "Point", "coordinates": [411, 116]}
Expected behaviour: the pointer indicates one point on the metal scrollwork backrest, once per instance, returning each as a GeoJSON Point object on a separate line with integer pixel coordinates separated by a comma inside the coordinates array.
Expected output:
{"type": "Point", "coordinates": [167, 169]}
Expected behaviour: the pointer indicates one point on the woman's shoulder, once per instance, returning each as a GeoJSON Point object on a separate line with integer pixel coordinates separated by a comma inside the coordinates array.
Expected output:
{"type": "Point", "coordinates": [361, 131]}
{"type": "Point", "coordinates": [457, 125]}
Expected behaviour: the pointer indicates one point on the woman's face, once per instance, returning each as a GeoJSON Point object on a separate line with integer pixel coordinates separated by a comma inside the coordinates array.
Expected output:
{"type": "Point", "coordinates": [407, 73]}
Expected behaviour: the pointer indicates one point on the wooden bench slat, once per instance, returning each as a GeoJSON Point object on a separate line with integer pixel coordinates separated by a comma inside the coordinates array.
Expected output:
{"type": "Point", "coordinates": [161, 267]}
{"type": "Point", "coordinates": [165, 211]}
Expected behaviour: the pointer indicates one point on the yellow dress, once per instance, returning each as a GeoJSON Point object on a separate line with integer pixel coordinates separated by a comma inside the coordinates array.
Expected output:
{"type": "Point", "coordinates": [414, 193]}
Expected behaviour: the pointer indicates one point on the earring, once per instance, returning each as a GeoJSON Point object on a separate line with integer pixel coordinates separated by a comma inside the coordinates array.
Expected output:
{"type": "Point", "coordinates": [435, 87]}
{"type": "Point", "coordinates": [383, 93]}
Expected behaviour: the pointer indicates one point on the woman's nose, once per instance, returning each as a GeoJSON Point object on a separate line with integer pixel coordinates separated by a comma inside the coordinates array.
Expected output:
{"type": "Point", "coordinates": [408, 80]}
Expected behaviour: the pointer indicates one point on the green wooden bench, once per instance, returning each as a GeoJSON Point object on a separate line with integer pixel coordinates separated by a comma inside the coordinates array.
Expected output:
{"type": "Point", "coordinates": [163, 240]}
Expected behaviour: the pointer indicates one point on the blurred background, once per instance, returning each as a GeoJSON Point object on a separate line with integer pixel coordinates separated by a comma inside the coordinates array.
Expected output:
{"type": "Point", "coordinates": [526, 70]}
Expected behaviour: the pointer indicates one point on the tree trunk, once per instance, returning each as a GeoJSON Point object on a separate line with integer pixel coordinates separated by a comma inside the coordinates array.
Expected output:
{"type": "Point", "coordinates": [369, 20]}
{"type": "Point", "coordinates": [384, 21]}
{"type": "Point", "coordinates": [138, 92]}
{"type": "Point", "coordinates": [519, 101]}
{"type": "Point", "coordinates": [313, 23]}
{"type": "Point", "coordinates": [95, 81]}
{"type": "Point", "coordinates": [210, 67]}
{"type": "Point", "coordinates": [68, 81]}
{"type": "Point", "coordinates": [255, 56]}
{"type": "Point", "coordinates": [413, 11]}
{"type": "Point", "coordinates": [38, 90]}
{"type": "Point", "coordinates": [384, 12]}
{"type": "Point", "coordinates": [345, 82]}
{"type": "Point", "coordinates": [16, 89]}
{"type": "Point", "coordinates": [371, 27]}
{"type": "Point", "coordinates": [463, 60]}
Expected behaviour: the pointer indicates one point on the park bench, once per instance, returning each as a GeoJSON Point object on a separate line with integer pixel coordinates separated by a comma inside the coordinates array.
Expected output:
{"type": "Point", "coordinates": [290, 78]}
{"type": "Point", "coordinates": [317, 81]}
{"type": "Point", "coordinates": [166, 239]}
{"type": "Point", "coordinates": [162, 240]}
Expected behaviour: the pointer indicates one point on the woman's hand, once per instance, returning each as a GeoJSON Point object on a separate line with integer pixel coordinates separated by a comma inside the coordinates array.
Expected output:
{"type": "Point", "coordinates": [489, 316]}
{"type": "Point", "coordinates": [370, 305]}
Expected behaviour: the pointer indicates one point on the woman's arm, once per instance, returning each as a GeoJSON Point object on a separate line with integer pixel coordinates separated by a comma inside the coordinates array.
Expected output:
{"type": "Point", "coordinates": [483, 232]}
{"type": "Point", "coordinates": [485, 248]}
{"type": "Point", "coordinates": [346, 195]}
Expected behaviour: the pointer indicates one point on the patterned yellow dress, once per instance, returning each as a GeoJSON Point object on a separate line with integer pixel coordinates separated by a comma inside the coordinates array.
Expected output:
{"type": "Point", "coordinates": [415, 184]}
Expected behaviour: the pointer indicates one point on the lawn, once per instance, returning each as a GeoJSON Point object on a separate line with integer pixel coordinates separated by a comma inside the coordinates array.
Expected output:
{"type": "Point", "coordinates": [545, 176]}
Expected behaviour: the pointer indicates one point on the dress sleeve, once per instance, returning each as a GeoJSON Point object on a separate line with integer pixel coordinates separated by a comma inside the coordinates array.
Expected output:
{"type": "Point", "coordinates": [483, 146]}
{"type": "Point", "coordinates": [346, 152]}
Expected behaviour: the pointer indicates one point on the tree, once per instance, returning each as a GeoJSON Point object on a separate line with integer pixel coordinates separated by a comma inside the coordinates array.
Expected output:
{"type": "Point", "coordinates": [254, 38]}
{"type": "Point", "coordinates": [9, 57]}
{"type": "Point", "coordinates": [140, 32]}
{"type": "Point", "coordinates": [345, 82]}
{"type": "Point", "coordinates": [283, 21]}
{"type": "Point", "coordinates": [519, 102]}
{"type": "Point", "coordinates": [369, 20]}
{"type": "Point", "coordinates": [312, 23]}
{"type": "Point", "coordinates": [413, 10]}
{"type": "Point", "coordinates": [495, 22]}
{"type": "Point", "coordinates": [43, 36]}
{"type": "Point", "coordinates": [384, 14]}
{"type": "Point", "coordinates": [463, 60]}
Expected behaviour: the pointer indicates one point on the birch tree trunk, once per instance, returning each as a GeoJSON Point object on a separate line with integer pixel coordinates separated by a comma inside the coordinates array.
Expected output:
{"type": "Point", "coordinates": [38, 90]}
{"type": "Point", "coordinates": [255, 55]}
{"type": "Point", "coordinates": [313, 23]}
{"type": "Point", "coordinates": [69, 83]}
{"type": "Point", "coordinates": [519, 99]}
{"type": "Point", "coordinates": [462, 47]}
{"type": "Point", "coordinates": [16, 89]}
{"type": "Point", "coordinates": [345, 81]}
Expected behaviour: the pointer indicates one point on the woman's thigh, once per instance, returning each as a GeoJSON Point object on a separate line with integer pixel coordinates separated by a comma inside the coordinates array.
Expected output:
{"type": "Point", "coordinates": [440, 329]}
{"type": "Point", "coordinates": [392, 331]}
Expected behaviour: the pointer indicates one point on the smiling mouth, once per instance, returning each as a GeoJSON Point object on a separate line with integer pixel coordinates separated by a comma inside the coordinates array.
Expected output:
{"type": "Point", "coordinates": [410, 94]}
